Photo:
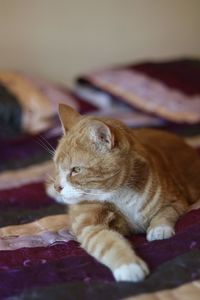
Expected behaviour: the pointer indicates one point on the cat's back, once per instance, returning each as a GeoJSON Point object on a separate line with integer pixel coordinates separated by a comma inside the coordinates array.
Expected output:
{"type": "Point", "coordinates": [168, 143]}
{"type": "Point", "coordinates": [159, 138]}
{"type": "Point", "coordinates": [180, 159]}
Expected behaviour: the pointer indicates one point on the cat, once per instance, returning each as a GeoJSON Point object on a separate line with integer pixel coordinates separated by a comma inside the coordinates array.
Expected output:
{"type": "Point", "coordinates": [118, 180]}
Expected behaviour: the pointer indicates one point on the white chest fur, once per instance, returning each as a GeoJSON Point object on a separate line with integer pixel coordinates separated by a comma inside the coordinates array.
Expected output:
{"type": "Point", "coordinates": [129, 203]}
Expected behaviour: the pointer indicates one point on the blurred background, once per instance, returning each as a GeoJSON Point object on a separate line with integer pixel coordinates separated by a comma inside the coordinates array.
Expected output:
{"type": "Point", "coordinates": [60, 39]}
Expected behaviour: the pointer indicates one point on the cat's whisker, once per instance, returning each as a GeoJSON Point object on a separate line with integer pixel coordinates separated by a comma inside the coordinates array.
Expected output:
{"type": "Point", "coordinates": [44, 146]}
{"type": "Point", "coordinates": [47, 143]}
{"type": "Point", "coordinates": [47, 147]}
{"type": "Point", "coordinates": [51, 177]}
{"type": "Point", "coordinates": [92, 194]}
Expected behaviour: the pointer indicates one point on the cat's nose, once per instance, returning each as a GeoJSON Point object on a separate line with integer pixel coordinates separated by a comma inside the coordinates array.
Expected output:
{"type": "Point", "coordinates": [58, 188]}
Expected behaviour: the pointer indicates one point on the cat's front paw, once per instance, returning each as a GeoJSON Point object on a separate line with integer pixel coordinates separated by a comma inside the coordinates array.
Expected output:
{"type": "Point", "coordinates": [134, 272]}
{"type": "Point", "coordinates": [160, 232]}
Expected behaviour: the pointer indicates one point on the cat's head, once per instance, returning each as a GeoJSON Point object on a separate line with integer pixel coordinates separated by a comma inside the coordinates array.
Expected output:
{"type": "Point", "coordinates": [92, 157]}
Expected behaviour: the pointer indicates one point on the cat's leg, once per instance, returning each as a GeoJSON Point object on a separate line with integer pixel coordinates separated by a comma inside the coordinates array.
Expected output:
{"type": "Point", "coordinates": [107, 245]}
{"type": "Point", "coordinates": [162, 224]}
{"type": "Point", "coordinates": [50, 223]}
{"type": "Point", "coordinates": [113, 250]}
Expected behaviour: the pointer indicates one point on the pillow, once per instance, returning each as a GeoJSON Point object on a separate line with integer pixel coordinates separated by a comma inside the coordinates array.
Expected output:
{"type": "Point", "coordinates": [30, 104]}
{"type": "Point", "coordinates": [170, 90]}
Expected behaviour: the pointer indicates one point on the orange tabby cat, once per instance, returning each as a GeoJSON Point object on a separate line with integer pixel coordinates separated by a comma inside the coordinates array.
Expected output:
{"type": "Point", "coordinates": [115, 180]}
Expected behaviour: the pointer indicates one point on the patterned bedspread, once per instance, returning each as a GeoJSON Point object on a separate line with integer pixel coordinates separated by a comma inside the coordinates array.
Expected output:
{"type": "Point", "coordinates": [52, 265]}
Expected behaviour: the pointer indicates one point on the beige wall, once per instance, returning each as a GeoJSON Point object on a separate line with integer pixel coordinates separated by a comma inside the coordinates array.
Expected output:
{"type": "Point", "coordinates": [61, 38]}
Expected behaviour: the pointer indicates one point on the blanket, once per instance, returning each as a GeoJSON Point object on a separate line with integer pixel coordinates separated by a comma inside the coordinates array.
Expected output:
{"type": "Point", "coordinates": [52, 265]}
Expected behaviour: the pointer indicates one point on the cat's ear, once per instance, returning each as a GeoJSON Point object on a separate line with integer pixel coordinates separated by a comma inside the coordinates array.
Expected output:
{"type": "Point", "coordinates": [102, 135]}
{"type": "Point", "coordinates": [68, 116]}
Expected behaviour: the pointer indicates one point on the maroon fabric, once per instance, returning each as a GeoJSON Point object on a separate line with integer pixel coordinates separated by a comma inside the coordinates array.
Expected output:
{"type": "Point", "coordinates": [15, 280]}
{"type": "Point", "coordinates": [20, 148]}
{"type": "Point", "coordinates": [187, 238]}
{"type": "Point", "coordinates": [180, 74]}
{"type": "Point", "coordinates": [30, 196]}
{"type": "Point", "coordinates": [29, 267]}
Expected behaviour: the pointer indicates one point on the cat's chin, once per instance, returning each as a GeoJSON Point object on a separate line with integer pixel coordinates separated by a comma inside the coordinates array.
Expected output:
{"type": "Point", "coordinates": [67, 201]}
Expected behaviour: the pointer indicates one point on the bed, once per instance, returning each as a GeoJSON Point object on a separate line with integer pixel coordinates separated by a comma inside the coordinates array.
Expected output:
{"type": "Point", "coordinates": [52, 265]}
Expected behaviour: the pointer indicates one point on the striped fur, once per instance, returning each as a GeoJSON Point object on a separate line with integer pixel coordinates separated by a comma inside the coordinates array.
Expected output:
{"type": "Point", "coordinates": [149, 176]}
{"type": "Point", "coordinates": [100, 229]}
{"type": "Point", "coordinates": [118, 180]}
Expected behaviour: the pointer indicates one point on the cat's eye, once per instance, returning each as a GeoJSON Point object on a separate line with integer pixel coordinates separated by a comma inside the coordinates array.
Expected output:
{"type": "Point", "coordinates": [76, 170]}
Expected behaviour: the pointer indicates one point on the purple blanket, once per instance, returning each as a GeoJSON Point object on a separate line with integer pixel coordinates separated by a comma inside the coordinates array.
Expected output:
{"type": "Point", "coordinates": [52, 265]}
